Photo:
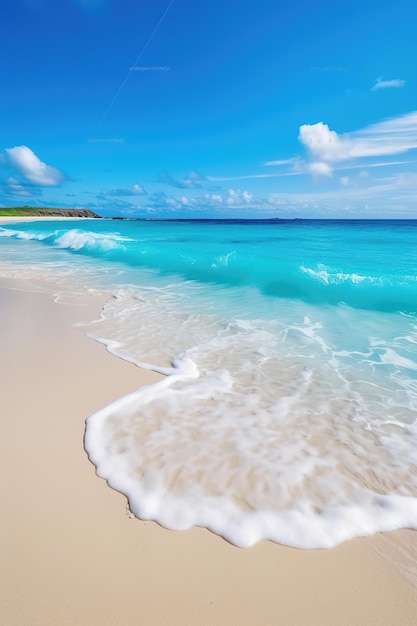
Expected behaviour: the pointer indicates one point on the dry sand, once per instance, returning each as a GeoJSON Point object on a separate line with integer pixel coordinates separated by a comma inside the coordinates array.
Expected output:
{"type": "Point", "coordinates": [71, 555]}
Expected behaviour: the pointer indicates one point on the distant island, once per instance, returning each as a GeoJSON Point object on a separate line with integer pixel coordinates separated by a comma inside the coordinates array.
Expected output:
{"type": "Point", "coordinates": [29, 211]}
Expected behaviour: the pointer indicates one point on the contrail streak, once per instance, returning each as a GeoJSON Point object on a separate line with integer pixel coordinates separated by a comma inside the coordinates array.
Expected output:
{"type": "Point", "coordinates": [134, 64]}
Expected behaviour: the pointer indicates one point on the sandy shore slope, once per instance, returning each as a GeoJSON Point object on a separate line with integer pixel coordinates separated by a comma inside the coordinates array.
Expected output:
{"type": "Point", "coordinates": [71, 555]}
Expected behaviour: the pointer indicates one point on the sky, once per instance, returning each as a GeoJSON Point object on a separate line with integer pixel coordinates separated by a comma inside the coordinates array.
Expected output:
{"type": "Point", "coordinates": [220, 109]}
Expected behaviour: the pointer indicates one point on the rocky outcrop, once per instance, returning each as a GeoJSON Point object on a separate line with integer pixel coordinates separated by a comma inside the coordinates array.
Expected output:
{"type": "Point", "coordinates": [28, 211]}
{"type": "Point", "coordinates": [64, 213]}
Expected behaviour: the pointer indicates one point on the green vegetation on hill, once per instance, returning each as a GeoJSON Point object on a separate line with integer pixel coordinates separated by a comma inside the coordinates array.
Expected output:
{"type": "Point", "coordinates": [29, 211]}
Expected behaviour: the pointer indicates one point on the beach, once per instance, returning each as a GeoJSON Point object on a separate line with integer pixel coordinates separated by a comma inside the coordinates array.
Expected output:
{"type": "Point", "coordinates": [72, 554]}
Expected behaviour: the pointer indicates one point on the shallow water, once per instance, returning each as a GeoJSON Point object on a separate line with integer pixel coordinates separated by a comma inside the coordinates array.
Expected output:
{"type": "Point", "coordinates": [289, 406]}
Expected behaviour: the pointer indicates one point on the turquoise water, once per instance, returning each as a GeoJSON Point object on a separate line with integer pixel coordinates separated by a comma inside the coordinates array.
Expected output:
{"type": "Point", "coordinates": [366, 264]}
{"type": "Point", "coordinates": [288, 410]}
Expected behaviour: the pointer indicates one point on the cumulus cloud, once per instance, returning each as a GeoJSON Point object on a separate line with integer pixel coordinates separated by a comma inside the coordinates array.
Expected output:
{"type": "Point", "coordinates": [376, 199]}
{"type": "Point", "coordinates": [354, 196]}
{"type": "Point", "coordinates": [232, 198]}
{"type": "Point", "coordinates": [322, 143]}
{"type": "Point", "coordinates": [393, 136]}
{"type": "Point", "coordinates": [235, 197]}
{"type": "Point", "coordinates": [35, 171]}
{"type": "Point", "coordinates": [318, 169]}
{"type": "Point", "coordinates": [218, 203]}
{"type": "Point", "coordinates": [384, 84]}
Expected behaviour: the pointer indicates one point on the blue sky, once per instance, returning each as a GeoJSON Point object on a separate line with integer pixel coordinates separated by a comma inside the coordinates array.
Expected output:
{"type": "Point", "coordinates": [179, 108]}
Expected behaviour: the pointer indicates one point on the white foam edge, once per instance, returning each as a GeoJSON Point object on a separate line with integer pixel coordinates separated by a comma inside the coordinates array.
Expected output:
{"type": "Point", "coordinates": [300, 527]}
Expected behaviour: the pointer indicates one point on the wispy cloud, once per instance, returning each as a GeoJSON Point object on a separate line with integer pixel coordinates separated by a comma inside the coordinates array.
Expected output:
{"type": "Point", "coordinates": [194, 180]}
{"type": "Point", "coordinates": [382, 164]}
{"type": "Point", "coordinates": [252, 176]}
{"type": "Point", "coordinates": [386, 84]}
{"type": "Point", "coordinates": [282, 161]}
{"type": "Point", "coordinates": [11, 186]}
{"type": "Point", "coordinates": [303, 167]}
{"type": "Point", "coordinates": [134, 190]}
{"type": "Point", "coordinates": [386, 190]}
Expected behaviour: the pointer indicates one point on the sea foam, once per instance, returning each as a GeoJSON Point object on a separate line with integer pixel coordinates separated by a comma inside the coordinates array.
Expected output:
{"type": "Point", "coordinates": [263, 429]}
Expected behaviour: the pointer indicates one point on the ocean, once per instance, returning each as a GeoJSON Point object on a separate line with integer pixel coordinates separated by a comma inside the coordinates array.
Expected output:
{"type": "Point", "coordinates": [288, 406]}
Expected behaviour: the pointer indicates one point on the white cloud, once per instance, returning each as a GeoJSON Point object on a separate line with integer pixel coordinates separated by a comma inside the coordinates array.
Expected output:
{"type": "Point", "coordinates": [219, 203]}
{"type": "Point", "coordinates": [194, 180]}
{"type": "Point", "coordinates": [388, 191]}
{"type": "Point", "coordinates": [25, 161]}
{"type": "Point", "coordinates": [134, 190]}
{"type": "Point", "coordinates": [384, 84]}
{"type": "Point", "coordinates": [218, 179]}
{"type": "Point", "coordinates": [354, 196]}
{"type": "Point", "coordinates": [322, 143]}
{"type": "Point", "coordinates": [235, 197]}
{"type": "Point", "coordinates": [387, 163]}
{"type": "Point", "coordinates": [393, 136]}
{"type": "Point", "coordinates": [215, 198]}
{"type": "Point", "coordinates": [137, 189]}
{"type": "Point", "coordinates": [281, 162]}
{"type": "Point", "coordinates": [318, 169]}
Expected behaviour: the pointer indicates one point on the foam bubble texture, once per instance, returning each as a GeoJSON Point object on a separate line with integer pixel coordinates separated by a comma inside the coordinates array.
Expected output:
{"type": "Point", "coordinates": [262, 429]}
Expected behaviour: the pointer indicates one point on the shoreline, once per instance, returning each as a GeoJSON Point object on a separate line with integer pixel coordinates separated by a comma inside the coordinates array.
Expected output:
{"type": "Point", "coordinates": [71, 553]}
